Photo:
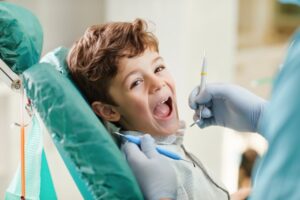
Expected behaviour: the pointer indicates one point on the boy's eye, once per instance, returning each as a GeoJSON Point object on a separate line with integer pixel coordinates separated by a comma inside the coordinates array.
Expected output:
{"type": "Point", "coordinates": [136, 83]}
{"type": "Point", "coordinates": [159, 68]}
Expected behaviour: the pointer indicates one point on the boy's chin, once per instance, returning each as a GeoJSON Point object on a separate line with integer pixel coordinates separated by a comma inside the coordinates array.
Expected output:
{"type": "Point", "coordinates": [166, 131]}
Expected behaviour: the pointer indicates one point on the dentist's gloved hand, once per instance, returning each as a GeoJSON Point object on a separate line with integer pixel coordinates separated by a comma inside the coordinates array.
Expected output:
{"type": "Point", "coordinates": [154, 173]}
{"type": "Point", "coordinates": [229, 106]}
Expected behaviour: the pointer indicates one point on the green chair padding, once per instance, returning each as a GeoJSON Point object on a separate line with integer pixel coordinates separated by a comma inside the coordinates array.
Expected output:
{"type": "Point", "coordinates": [75, 128]}
{"type": "Point", "coordinates": [96, 164]}
{"type": "Point", "coordinates": [21, 37]}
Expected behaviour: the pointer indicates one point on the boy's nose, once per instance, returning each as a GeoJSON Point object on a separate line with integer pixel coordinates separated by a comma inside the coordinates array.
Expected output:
{"type": "Point", "coordinates": [156, 83]}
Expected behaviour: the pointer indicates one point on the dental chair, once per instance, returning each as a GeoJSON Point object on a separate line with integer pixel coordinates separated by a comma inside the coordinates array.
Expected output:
{"type": "Point", "coordinates": [92, 157]}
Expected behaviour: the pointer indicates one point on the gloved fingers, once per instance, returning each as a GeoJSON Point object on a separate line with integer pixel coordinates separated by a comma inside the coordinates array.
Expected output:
{"type": "Point", "coordinates": [206, 122]}
{"type": "Point", "coordinates": [196, 99]}
{"type": "Point", "coordinates": [205, 112]}
{"type": "Point", "coordinates": [133, 152]}
{"type": "Point", "coordinates": [148, 146]}
{"type": "Point", "coordinates": [192, 98]}
{"type": "Point", "coordinates": [196, 117]}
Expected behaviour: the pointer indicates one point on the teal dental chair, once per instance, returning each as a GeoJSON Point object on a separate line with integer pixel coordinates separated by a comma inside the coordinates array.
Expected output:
{"type": "Point", "coordinates": [93, 159]}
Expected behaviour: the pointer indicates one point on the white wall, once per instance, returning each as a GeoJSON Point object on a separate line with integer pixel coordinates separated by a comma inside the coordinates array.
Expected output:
{"type": "Point", "coordinates": [184, 28]}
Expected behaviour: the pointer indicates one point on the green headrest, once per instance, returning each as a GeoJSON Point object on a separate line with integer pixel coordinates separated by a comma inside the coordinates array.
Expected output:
{"type": "Point", "coordinates": [21, 38]}
{"type": "Point", "coordinates": [74, 126]}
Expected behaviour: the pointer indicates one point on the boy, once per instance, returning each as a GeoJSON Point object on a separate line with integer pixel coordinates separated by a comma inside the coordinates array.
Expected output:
{"type": "Point", "coordinates": [118, 68]}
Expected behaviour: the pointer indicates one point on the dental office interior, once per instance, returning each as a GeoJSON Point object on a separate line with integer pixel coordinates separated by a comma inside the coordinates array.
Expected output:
{"type": "Point", "coordinates": [244, 43]}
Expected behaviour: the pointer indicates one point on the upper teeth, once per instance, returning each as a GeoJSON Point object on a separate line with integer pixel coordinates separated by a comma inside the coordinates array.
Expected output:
{"type": "Point", "coordinates": [163, 101]}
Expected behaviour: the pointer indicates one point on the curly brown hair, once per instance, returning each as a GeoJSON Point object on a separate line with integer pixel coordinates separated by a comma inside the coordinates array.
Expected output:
{"type": "Point", "coordinates": [93, 59]}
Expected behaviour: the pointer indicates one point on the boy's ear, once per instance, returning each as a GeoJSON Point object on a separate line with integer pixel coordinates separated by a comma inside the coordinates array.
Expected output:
{"type": "Point", "coordinates": [106, 111]}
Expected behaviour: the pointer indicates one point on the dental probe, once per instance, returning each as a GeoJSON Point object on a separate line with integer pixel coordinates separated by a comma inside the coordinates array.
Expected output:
{"type": "Point", "coordinates": [167, 153]}
{"type": "Point", "coordinates": [202, 86]}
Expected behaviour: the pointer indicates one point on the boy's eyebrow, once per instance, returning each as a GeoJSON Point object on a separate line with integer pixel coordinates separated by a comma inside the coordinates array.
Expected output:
{"type": "Point", "coordinates": [132, 72]}
{"type": "Point", "coordinates": [135, 71]}
{"type": "Point", "coordinates": [156, 59]}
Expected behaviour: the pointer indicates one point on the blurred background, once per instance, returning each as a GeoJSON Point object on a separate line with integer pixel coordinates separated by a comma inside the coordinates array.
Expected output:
{"type": "Point", "coordinates": [245, 43]}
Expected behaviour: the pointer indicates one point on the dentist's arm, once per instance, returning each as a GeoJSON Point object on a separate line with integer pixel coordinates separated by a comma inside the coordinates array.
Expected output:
{"type": "Point", "coordinates": [154, 173]}
{"type": "Point", "coordinates": [229, 106]}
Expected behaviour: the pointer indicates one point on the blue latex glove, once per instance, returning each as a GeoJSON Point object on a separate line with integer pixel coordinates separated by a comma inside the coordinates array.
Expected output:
{"type": "Point", "coordinates": [229, 106]}
{"type": "Point", "coordinates": [153, 171]}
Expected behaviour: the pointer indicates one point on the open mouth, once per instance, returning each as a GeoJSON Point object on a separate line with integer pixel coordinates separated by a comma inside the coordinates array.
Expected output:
{"type": "Point", "coordinates": [163, 109]}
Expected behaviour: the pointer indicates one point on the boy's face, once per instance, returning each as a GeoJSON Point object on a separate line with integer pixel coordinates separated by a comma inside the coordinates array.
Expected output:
{"type": "Point", "coordinates": [145, 93]}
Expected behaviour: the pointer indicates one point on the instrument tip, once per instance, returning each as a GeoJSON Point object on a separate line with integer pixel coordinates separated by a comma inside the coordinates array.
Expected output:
{"type": "Point", "coordinates": [118, 133]}
{"type": "Point", "coordinates": [195, 122]}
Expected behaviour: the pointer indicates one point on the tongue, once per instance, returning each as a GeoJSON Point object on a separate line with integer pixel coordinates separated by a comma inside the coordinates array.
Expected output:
{"type": "Point", "coordinates": [162, 110]}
